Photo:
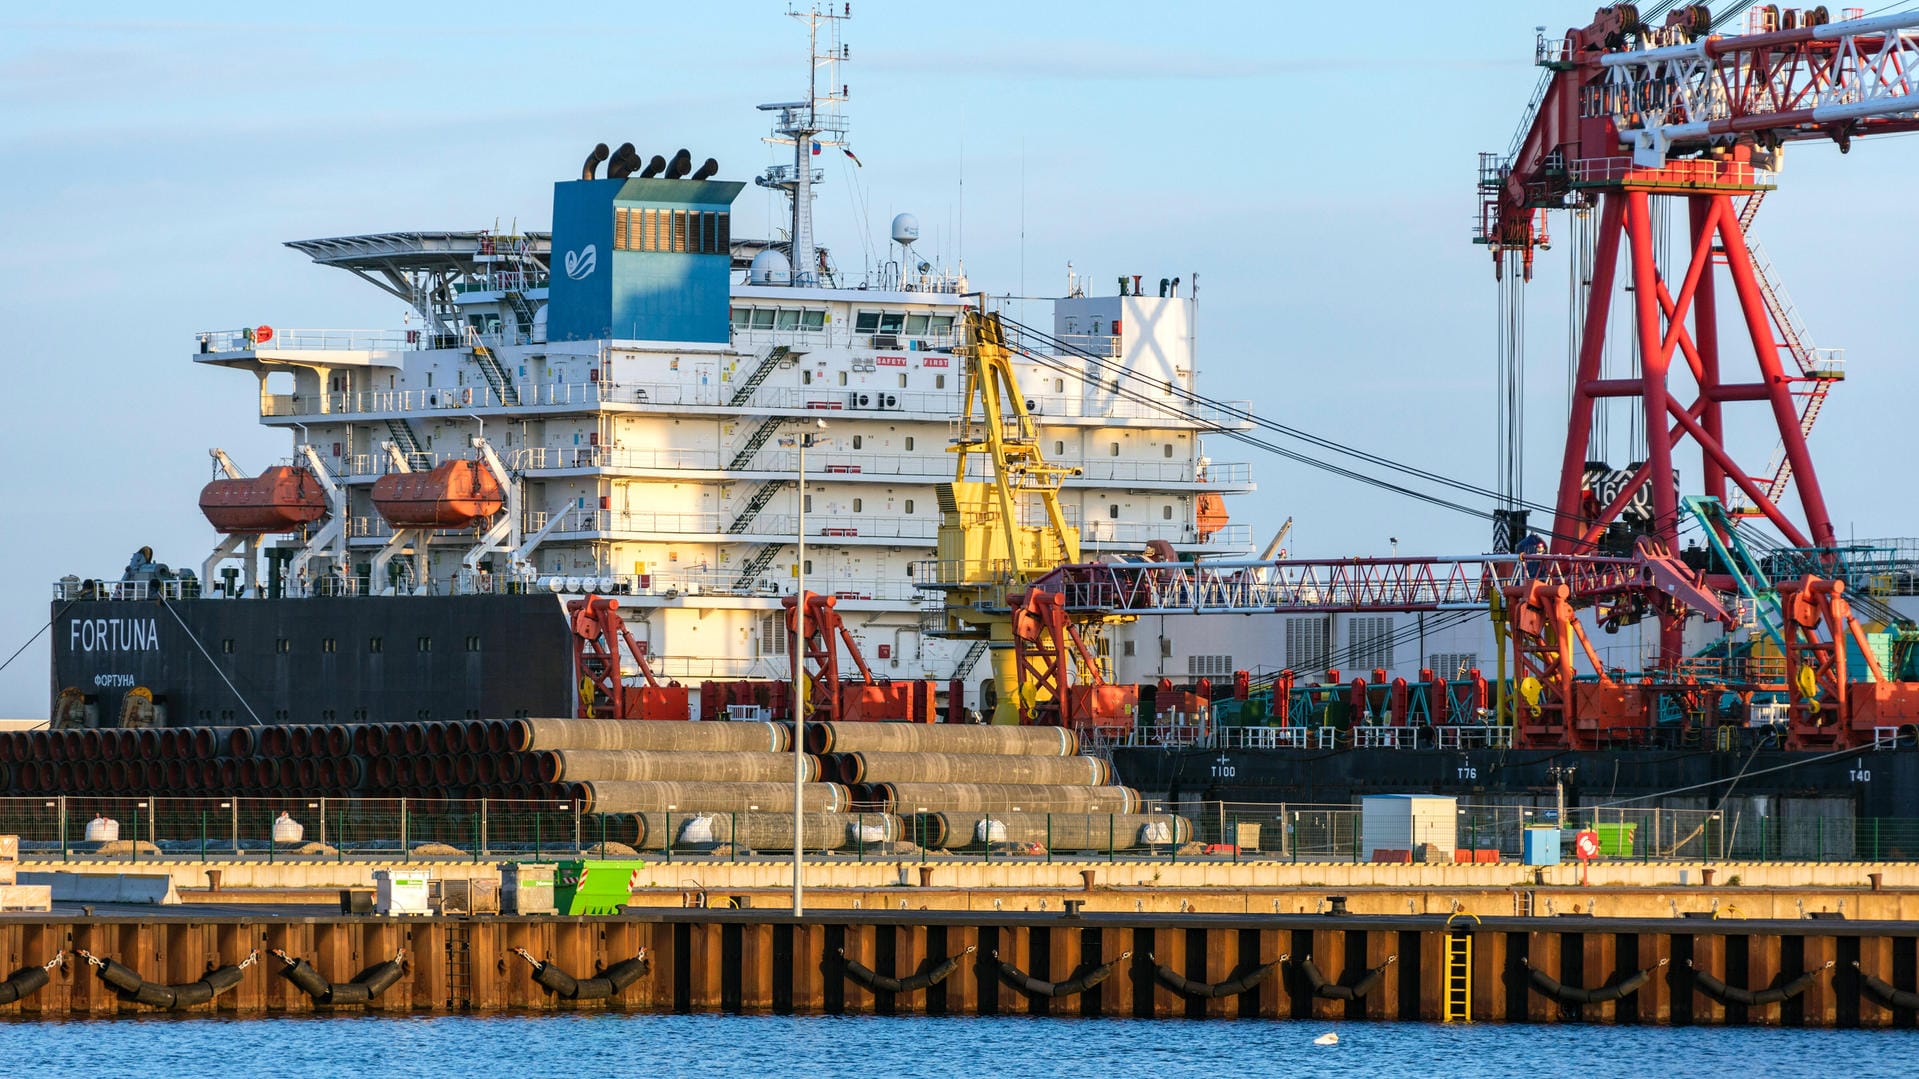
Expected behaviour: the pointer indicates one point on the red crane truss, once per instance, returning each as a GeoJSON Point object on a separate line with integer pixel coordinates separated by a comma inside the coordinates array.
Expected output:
{"type": "Point", "coordinates": [1630, 114]}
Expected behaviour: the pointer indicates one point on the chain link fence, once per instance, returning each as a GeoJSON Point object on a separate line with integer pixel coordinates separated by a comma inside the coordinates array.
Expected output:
{"type": "Point", "coordinates": [75, 828]}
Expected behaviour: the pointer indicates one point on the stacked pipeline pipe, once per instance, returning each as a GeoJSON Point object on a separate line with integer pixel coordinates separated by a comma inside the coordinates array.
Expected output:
{"type": "Point", "coordinates": [963, 787]}
{"type": "Point", "coordinates": [647, 784]}
{"type": "Point", "coordinates": [441, 760]}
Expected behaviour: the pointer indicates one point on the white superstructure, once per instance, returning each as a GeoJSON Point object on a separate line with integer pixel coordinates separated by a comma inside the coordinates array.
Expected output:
{"type": "Point", "coordinates": [653, 469]}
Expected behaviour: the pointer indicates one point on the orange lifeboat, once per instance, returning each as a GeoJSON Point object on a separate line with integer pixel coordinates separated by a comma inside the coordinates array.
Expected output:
{"type": "Point", "coordinates": [455, 494]}
{"type": "Point", "coordinates": [1212, 514]}
{"type": "Point", "coordinates": [279, 499]}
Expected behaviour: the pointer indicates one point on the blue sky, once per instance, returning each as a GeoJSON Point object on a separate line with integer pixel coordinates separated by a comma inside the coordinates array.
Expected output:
{"type": "Point", "coordinates": [1312, 165]}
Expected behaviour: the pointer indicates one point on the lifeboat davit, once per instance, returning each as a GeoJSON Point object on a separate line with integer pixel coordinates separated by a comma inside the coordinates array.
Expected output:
{"type": "Point", "coordinates": [455, 494]}
{"type": "Point", "coordinates": [279, 499]}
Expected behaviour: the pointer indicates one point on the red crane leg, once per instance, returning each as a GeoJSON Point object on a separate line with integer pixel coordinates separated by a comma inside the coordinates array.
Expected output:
{"type": "Point", "coordinates": [1592, 348]}
{"type": "Point", "coordinates": [1654, 363]}
{"type": "Point", "coordinates": [1705, 331]}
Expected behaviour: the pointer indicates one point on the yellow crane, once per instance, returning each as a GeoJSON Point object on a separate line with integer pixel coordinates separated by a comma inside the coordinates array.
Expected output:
{"type": "Point", "coordinates": [997, 537]}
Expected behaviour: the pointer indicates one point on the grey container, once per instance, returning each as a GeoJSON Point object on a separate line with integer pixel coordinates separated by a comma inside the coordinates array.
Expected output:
{"type": "Point", "coordinates": [526, 888]}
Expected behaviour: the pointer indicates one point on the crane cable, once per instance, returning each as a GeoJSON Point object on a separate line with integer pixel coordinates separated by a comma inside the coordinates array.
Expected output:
{"type": "Point", "coordinates": [1230, 411]}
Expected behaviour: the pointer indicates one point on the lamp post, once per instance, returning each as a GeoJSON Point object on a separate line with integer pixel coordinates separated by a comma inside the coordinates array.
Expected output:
{"type": "Point", "coordinates": [800, 442]}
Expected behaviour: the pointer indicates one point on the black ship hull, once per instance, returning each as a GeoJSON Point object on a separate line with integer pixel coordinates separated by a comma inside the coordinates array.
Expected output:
{"type": "Point", "coordinates": [1879, 784]}
{"type": "Point", "coordinates": [225, 662]}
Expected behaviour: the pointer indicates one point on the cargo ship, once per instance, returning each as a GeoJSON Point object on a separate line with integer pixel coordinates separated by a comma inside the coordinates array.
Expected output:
{"type": "Point", "coordinates": [598, 468]}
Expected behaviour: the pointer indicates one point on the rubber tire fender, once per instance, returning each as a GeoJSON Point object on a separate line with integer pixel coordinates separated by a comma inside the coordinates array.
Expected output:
{"type": "Point", "coordinates": [557, 981]}
{"type": "Point", "coordinates": [1326, 989]}
{"type": "Point", "coordinates": [23, 983]}
{"type": "Point", "coordinates": [1887, 994]}
{"type": "Point", "coordinates": [1085, 977]}
{"type": "Point", "coordinates": [1730, 994]}
{"type": "Point", "coordinates": [307, 980]}
{"type": "Point", "coordinates": [1551, 987]}
{"type": "Point", "coordinates": [1231, 987]}
{"type": "Point", "coordinates": [924, 978]}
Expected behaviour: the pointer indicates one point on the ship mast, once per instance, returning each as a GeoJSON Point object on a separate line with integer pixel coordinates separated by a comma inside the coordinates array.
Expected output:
{"type": "Point", "coordinates": [809, 126]}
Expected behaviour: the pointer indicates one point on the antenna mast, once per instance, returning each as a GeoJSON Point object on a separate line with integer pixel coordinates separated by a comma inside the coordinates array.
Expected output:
{"type": "Point", "coordinates": [809, 126]}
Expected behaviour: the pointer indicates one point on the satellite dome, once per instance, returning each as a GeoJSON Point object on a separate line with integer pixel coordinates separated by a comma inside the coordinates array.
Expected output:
{"type": "Point", "coordinates": [906, 229]}
{"type": "Point", "coordinates": [769, 268]}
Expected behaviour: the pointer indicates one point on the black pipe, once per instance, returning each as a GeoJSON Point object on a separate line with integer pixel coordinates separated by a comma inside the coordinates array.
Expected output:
{"type": "Point", "coordinates": [681, 164]}
{"type": "Point", "coordinates": [707, 170]}
{"type": "Point", "coordinates": [653, 168]}
{"type": "Point", "coordinates": [593, 161]}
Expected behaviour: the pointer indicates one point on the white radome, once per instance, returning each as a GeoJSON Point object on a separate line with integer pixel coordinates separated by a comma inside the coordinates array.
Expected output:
{"type": "Point", "coordinates": [769, 268]}
{"type": "Point", "coordinates": [906, 229]}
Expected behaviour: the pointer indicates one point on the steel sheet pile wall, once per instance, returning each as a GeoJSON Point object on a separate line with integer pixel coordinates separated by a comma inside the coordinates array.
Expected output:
{"type": "Point", "coordinates": [1319, 969]}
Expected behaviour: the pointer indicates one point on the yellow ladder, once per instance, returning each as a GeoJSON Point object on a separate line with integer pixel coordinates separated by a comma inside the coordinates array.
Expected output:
{"type": "Point", "coordinates": [1458, 1005]}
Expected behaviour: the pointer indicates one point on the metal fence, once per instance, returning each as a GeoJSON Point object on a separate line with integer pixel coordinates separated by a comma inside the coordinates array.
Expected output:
{"type": "Point", "coordinates": [76, 828]}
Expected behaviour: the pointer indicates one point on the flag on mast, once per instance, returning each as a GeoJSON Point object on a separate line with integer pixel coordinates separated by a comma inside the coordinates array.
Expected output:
{"type": "Point", "coordinates": [854, 156]}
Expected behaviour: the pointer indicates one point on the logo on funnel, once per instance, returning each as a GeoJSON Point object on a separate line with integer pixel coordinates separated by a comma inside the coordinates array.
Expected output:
{"type": "Point", "coordinates": [580, 264]}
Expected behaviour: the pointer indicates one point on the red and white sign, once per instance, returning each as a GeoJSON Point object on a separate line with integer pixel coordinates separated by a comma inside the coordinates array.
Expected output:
{"type": "Point", "coordinates": [936, 361]}
{"type": "Point", "coordinates": [889, 361]}
{"type": "Point", "coordinates": [1586, 845]}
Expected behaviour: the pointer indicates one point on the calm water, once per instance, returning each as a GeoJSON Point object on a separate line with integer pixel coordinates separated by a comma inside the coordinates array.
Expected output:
{"type": "Point", "coordinates": [535, 1047]}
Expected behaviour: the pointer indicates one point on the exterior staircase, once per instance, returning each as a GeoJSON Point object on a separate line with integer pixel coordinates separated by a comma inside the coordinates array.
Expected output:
{"type": "Point", "coordinates": [768, 364]}
{"type": "Point", "coordinates": [756, 565]}
{"type": "Point", "coordinates": [765, 431]}
{"type": "Point", "coordinates": [496, 378]}
{"type": "Point", "coordinates": [403, 437]}
{"type": "Point", "coordinates": [755, 504]}
{"type": "Point", "coordinates": [1818, 368]}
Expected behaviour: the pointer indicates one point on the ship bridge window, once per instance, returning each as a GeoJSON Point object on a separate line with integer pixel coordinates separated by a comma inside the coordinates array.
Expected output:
{"type": "Point", "coordinates": [789, 318]}
{"type": "Point", "coordinates": [879, 322]}
{"type": "Point", "coordinates": [742, 317]}
{"type": "Point", "coordinates": [916, 325]}
{"type": "Point", "coordinates": [764, 317]}
{"type": "Point", "coordinates": [939, 325]}
{"type": "Point", "coordinates": [814, 320]}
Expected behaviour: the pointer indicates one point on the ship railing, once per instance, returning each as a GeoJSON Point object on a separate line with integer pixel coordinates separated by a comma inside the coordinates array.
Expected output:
{"type": "Point", "coordinates": [669, 396]}
{"type": "Point", "coordinates": [274, 339]}
{"type": "Point", "coordinates": [821, 527]}
{"type": "Point", "coordinates": [71, 589]}
{"type": "Point", "coordinates": [695, 583]}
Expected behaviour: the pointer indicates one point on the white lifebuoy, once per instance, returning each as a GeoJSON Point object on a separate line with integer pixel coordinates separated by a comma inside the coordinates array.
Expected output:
{"type": "Point", "coordinates": [466, 396]}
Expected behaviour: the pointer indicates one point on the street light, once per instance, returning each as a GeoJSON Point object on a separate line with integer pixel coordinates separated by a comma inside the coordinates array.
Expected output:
{"type": "Point", "coordinates": [800, 442]}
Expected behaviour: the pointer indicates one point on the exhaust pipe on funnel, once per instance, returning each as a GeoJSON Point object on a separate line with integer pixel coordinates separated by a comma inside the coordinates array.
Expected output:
{"type": "Point", "coordinates": [707, 170]}
{"type": "Point", "coordinates": [593, 161]}
{"type": "Point", "coordinates": [681, 164]}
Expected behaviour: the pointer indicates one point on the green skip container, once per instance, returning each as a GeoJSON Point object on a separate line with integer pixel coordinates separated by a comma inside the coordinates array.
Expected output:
{"type": "Point", "coordinates": [1616, 840]}
{"type": "Point", "coordinates": [594, 886]}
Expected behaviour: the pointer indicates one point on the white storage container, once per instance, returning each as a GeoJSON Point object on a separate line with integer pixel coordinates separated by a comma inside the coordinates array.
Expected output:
{"type": "Point", "coordinates": [1403, 823]}
{"type": "Point", "coordinates": [103, 830]}
{"type": "Point", "coordinates": [401, 891]}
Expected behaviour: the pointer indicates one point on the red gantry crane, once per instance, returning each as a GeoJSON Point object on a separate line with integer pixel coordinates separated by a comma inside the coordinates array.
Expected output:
{"type": "Point", "coordinates": [1631, 115]}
